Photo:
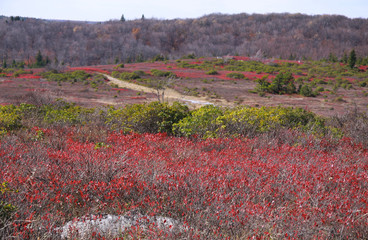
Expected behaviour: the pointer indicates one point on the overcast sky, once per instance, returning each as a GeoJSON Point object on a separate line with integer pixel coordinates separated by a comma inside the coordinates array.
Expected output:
{"type": "Point", "coordinates": [104, 10]}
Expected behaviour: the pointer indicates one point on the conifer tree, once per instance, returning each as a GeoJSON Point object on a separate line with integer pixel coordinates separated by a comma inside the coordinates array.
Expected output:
{"type": "Point", "coordinates": [344, 58]}
{"type": "Point", "coordinates": [39, 59]}
{"type": "Point", "coordinates": [352, 59]}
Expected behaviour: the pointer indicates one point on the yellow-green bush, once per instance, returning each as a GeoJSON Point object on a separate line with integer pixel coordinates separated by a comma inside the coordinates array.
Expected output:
{"type": "Point", "coordinates": [201, 122]}
{"type": "Point", "coordinates": [206, 122]}
{"type": "Point", "coordinates": [75, 76]}
{"type": "Point", "coordinates": [211, 121]}
{"type": "Point", "coordinates": [153, 117]}
{"type": "Point", "coordinates": [10, 118]}
{"type": "Point", "coordinates": [66, 113]}
{"type": "Point", "coordinates": [6, 209]}
{"type": "Point", "coordinates": [235, 75]}
{"type": "Point", "coordinates": [129, 75]}
{"type": "Point", "coordinates": [160, 73]}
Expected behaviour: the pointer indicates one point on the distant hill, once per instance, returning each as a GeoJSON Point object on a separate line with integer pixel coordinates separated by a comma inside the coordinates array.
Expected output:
{"type": "Point", "coordinates": [294, 36]}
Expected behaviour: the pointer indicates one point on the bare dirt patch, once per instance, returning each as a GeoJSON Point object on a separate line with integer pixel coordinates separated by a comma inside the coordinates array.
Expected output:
{"type": "Point", "coordinates": [18, 90]}
{"type": "Point", "coordinates": [171, 95]}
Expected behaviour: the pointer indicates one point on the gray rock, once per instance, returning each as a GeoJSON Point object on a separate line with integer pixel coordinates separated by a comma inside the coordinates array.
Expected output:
{"type": "Point", "coordinates": [112, 226]}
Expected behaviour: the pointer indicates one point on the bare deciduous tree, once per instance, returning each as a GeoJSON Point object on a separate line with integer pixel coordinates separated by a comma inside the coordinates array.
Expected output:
{"type": "Point", "coordinates": [278, 35]}
{"type": "Point", "coordinates": [160, 86]}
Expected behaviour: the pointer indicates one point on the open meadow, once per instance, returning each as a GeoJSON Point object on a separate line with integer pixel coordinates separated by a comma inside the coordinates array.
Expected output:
{"type": "Point", "coordinates": [194, 148]}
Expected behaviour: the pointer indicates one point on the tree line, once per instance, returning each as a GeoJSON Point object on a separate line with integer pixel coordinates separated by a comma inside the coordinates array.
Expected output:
{"type": "Point", "coordinates": [294, 36]}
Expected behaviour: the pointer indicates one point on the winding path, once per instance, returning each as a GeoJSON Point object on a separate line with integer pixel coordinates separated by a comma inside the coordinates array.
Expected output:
{"type": "Point", "coordinates": [170, 94]}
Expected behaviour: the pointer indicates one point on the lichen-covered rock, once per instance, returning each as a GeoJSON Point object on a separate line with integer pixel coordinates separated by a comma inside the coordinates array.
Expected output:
{"type": "Point", "coordinates": [113, 226]}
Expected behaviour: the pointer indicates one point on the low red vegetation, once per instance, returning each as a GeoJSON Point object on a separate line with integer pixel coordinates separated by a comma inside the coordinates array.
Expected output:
{"type": "Point", "coordinates": [192, 73]}
{"type": "Point", "coordinates": [220, 188]}
{"type": "Point", "coordinates": [364, 68]}
{"type": "Point", "coordinates": [138, 98]}
{"type": "Point", "coordinates": [196, 62]}
{"type": "Point", "coordinates": [241, 58]}
{"type": "Point", "coordinates": [28, 76]}
{"type": "Point", "coordinates": [119, 89]}
{"type": "Point", "coordinates": [287, 61]}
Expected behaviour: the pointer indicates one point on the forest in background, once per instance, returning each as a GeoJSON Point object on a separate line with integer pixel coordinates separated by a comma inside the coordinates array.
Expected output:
{"type": "Point", "coordinates": [287, 36]}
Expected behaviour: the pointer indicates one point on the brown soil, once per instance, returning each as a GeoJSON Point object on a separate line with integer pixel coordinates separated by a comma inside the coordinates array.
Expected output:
{"type": "Point", "coordinates": [170, 94]}
{"type": "Point", "coordinates": [39, 91]}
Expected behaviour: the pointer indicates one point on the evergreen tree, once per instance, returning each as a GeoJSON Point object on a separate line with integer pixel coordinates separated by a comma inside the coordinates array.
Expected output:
{"type": "Point", "coordinates": [47, 61]}
{"type": "Point", "coordinates": [39, 59]}
{"type": "Point", "coordinates": [122, 19]}
{"type": "Point", "coordinates": [142, 16]}
{"type": "Point", "coordinates": [291, 57]}
{"type": "Point", "coordinates": [332, 58]}
{"type": "Point", "coordinates": [306, 91]}
{"type": "Point", "coordinates": [344, 58]}
{"type": "Point", "coordinates": [283, 83]}
{"type": "Point", "coordinates": [359, 61]}
{"type": "Point", "coordinates": [56, 61]}
{"type": "Point", "coordinates": [352, 59]}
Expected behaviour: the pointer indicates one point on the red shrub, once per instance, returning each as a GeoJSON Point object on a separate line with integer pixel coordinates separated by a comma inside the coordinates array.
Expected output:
{"type": "Point", "coordinates": [221, 188]}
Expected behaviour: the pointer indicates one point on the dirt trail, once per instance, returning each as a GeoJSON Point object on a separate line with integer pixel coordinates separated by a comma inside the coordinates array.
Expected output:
{"type": "Point", "coordinates": [170, 94]}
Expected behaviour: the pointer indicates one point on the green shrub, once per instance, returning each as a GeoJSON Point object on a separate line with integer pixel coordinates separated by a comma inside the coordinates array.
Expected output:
{"type": "Point", "coordinates": [19, 72]}
{"type": "Point", "coordinates": [306, 91]}
{"type": "Point", "coordinates": [115, 74]}
{"type": "Point", "coordinates": [141, 118]}
{"type": "Point", "coordinates": [319, 81]}
{"type": "Point", "coordinates": [10, 118]}
{"type": "Point", "coordinates": [363, 83]}
{"type": "Point", "coordinates": [6, 209]}
{"type": "Point", "coordinates": [129, 75]}
{"type": "Point", "coordinates": [283, 83]}
{"type": "Point", "coordinates": [75, 76]}
{"type": "Point", "coordinates": [262, 86]}
{"type": "Point", "coordinates": [212, 72]}
{"type": "Point", "coordinates": [159, 73]}
{"type": "Point", "coordinates": [159, 57]}
{"type": "Point", "coordinates": [66, 113]}
{"type": "Point", "coordinates": [201, 122]}
{"type": "Point", "coordinates": [211, 121]}
{"type": "Point", "coordinates": [140, 73]}
{"type": "Point", "coordinates": [189, 56]}
{"type": "Point", "coordinates": [248, 121]}
{"type": "Point", "coordinates": [319, 89]}
{"type": "Point", "coordinates": [235, 75]}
